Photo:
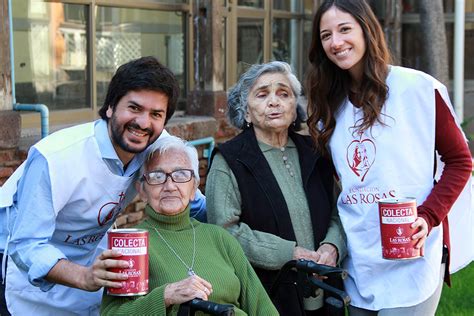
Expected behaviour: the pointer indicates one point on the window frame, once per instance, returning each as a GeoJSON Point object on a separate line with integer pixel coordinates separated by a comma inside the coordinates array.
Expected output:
{"type": "Point", "coordinates": [89, 112]}
{"type": "Point", "coordinates": [232, 12]}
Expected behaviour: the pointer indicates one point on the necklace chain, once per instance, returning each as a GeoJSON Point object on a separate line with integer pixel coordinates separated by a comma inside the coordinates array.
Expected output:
{"type": "Point", "coordinates": [190, 268]}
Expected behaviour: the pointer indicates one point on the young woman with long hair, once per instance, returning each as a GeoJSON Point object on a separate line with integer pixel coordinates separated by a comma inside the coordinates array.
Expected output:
{"type": "Point", "coordinates": [384, 126]}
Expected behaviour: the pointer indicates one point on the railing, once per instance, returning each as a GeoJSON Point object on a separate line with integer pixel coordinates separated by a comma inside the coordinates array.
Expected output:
{"type": "Point", "coordinates": [208, 151]}
{"type": "Point", "coordinates": [42, 109]}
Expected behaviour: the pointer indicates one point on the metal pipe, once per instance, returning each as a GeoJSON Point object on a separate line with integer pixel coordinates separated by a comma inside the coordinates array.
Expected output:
{"type": "Point", "coordinates": [12, 50]}
{"type": "Point", "coordinates": [459, 29]}
{"type": "Point", "coordinates": [41, 108]}
{"type": "Point", "coordinates": [204, 141]}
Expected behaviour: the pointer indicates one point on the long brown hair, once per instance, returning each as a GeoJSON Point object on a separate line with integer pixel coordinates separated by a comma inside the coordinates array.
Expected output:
{"type": "Point", "coordinates": [328, 85]}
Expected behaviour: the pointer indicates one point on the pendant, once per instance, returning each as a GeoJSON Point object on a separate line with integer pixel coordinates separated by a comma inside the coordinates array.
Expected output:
{"type": "Point", "coordinates": [191, 272]}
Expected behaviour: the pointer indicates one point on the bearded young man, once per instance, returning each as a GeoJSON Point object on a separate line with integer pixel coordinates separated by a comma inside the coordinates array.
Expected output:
{"type": "Point", "coordinates": [59, 204]}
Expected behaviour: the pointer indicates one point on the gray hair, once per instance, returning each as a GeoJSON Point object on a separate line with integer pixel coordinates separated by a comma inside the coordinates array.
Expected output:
{"type": "Point", "coordinates": [164, 144]}
{"type": "Point", "coordinates": [237, 98]}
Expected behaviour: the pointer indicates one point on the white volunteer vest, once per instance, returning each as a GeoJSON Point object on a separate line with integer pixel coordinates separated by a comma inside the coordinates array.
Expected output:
{"type": "Point", "coordinates": [86, 198]}
{"type": "Point", "coordinates": [395, 160]}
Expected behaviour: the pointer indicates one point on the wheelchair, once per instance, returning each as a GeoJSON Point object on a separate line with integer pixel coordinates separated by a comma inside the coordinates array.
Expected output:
{"type": "Point", "coordinates": [189, 308]}
{"type": "Point", "coordinates": [336, 299]}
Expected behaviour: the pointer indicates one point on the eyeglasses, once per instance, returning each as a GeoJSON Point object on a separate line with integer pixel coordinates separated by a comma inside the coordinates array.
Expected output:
{"type": "Point", "coordinates": [159, 177]}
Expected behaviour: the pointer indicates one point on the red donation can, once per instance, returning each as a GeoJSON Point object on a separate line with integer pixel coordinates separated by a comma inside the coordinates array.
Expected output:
{"type": "Point", "coordinates": [396, 217]}
{"type": "Point", "coordinates": [133, 245]}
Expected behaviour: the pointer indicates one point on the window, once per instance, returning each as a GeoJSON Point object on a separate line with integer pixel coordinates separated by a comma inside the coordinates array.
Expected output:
{"type": "Point", "coordinates": [249, 43]}
{"type": "Point", "coordinates": [251, 3]}
{"type": "Point", "coordinates": [285, 41]}
{"type": "Point", "coordinates": [286, 5]}
{"type": "Point", "coordinates": [126, 34]}
{"type": "Point", "coordinates": [57, 65]}
{"type": "Point", "coordinates": [307, 37]}
{"type": "Point", "coordinates": [50, 54]}
{"type": "Point", "coordinates": [261, 31]}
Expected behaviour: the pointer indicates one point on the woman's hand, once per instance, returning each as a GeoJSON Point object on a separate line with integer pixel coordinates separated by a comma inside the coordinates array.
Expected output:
{"type": "Point", "coordinates": [98, 275]}
{"type": "Point", "coordinates": [186, 290]}
{"type": "Point", "coordinates": [303, 253]}
{"type": "Point", "coordinates": [422, 232]}
{"type": "Point", "coordinates": [327, 254]}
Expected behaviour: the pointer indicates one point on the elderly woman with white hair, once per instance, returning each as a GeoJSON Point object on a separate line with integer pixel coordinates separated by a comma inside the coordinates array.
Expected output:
{"type": "Point", "coordinates": [271, 189]}
{"type": "Point", "coordinates": [187, 259]}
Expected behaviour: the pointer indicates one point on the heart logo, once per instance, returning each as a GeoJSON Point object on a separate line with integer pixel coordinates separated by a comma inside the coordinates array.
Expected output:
{"type": "Point", "coordinates": [109, 210]}
{"type": "Point", "coordinates": [361, 156]}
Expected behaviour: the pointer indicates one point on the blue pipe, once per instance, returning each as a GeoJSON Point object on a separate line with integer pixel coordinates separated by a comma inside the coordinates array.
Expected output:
{"type": "Point", "coordinates": [43, 109]}
{"type": "Point", "coordinates": [204, 141]}
{"type": "Point", "coordinates": [12, 50]}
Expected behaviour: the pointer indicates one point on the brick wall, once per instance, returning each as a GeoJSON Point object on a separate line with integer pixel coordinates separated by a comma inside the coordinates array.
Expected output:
{"type": "Point", "coordinates": [10, 159]}
{"type": "Point", "coordinates": [10, 156]}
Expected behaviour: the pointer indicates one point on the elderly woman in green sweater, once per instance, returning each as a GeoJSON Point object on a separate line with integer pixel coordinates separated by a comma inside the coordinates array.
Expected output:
{"type": "Point", "coordinates": [269, 186]}
{"type": "Point", "coordinates": [188, 259]}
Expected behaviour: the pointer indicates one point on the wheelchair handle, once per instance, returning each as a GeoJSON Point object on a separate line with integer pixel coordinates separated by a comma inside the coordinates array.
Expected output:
{"type": "Point", "coordinates": [320, 269]}
{"type": "Point", "coordinates": [305, 269]}
{"type": "Point", "coordinates": [208, 307]}
{"type": "Point", "coordinates": [342, 296]}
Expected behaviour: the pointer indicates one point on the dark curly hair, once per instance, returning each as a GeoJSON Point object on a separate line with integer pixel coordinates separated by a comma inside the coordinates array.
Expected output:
{"type": "Point", "coordinates": [145, 73]}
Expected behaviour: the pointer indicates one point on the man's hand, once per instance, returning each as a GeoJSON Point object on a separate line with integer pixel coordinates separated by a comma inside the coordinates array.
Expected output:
{"type": "Point", "coordinates": [89, 278]}
{"type": "Point", "coordinates": [99, 275]}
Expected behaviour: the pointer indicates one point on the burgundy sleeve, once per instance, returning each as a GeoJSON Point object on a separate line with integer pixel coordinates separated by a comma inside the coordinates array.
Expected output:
{"type": "Point", "coordinates": [454, 152]}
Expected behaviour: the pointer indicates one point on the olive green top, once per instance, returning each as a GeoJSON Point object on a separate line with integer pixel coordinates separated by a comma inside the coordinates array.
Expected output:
{"type": "Point", "coordinates": [264, 250]}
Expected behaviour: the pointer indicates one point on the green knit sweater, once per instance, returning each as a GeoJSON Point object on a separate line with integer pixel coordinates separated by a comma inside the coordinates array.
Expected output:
{"type": "Point", "coordinates": [219, 259]}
